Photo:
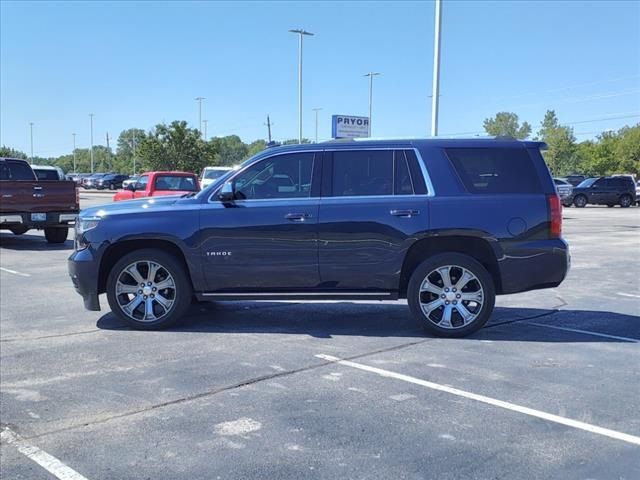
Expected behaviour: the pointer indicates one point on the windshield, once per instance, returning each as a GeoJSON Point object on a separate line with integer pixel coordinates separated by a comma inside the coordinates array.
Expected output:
{"type": "Point", "coordinates": [587, 183]}
{"type": "Point", "coordinates": [213, 174]}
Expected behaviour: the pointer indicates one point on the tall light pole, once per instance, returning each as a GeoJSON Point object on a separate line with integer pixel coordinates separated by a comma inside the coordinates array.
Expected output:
{"type": "Point", "coordinates": [199, 100]}
{"type": "Point", "coordinates": [31, 135]}
{"type": "Point", "coordinates": [436, 71]}
{"type": "Point", "coordinates": [300, 33]}
{"type": "Point", "coordinates": [91, 151]}
{"type": "Point", "coordinates": [371, 75]}
{"type": "Point", "coordinates": [316, 110]}
{"type": "Point", "coordinates": [74, 152]}
{"type": "Point", "coordinates": [205, 129]}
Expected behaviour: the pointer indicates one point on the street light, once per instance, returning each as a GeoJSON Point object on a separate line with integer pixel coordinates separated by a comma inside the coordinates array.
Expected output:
{"type": "Point", "coordinates": [205, 129]}
{"type": "Point", "coordinates": [371, 75]}
{"type": "Point", "coordinates": [199, 100]}
{"type": "Point", "coordinates": [316, 110]}
{"type": "Point", "coordinates": [133, 146]}
{"type": "Point", "coordinates": [436, 71]}
{"type": "Point", "coordinates": [31, 135]}
{"type": "Point", "coordinates": [74, 152]}
{"type": "Point", "coordinates": [300, 34]}
{"type": "Point", "coordinates": [91, 151]}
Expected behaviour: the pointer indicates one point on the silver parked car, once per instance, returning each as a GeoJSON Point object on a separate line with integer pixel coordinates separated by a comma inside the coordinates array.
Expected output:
{"type": "Point", "coordinates": [565, 189]}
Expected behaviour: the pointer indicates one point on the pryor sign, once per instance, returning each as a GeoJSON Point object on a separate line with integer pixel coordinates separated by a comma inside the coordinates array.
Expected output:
{"type": "Point", "coordinates": [348, 126]}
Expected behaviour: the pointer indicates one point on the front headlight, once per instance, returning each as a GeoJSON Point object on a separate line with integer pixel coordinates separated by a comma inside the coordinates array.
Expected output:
{"type": "Point", "coordinates": [84, 224]}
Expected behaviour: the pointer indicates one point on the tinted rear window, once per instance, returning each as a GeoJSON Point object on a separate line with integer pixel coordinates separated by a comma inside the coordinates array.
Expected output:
{"type": "Point", "coordinates": [363, 173]}
{"type": "Point", "coordinates": [17, 171]}
{"type": "Point", "coordinates": [47, 174]}
{"type": "Point", "coordinates": [177, 183]}
{"type": "Point", "coordinates": [495, 170]}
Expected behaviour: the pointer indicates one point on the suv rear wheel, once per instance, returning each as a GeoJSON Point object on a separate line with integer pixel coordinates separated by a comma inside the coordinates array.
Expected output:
{"type": "Point", "coordinates": [626, 201]}
{"type": "Point", "coordinates": [452, 294]}
{"type": "Point", "coordinates": [149, 289]}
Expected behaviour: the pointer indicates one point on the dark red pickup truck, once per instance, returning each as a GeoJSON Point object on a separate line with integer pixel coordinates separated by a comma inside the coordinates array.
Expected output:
{"type": "Point", "coordinates": [28, 203]}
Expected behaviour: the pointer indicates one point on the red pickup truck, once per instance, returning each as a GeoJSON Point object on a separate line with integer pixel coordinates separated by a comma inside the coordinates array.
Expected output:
{"type": "Point", "coordinates": [28, 203]}
{"type": "Point", "coordinates": [155, 184]}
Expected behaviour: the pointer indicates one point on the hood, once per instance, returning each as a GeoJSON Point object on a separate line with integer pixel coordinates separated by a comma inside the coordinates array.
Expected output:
{"type": "Point", "coordinates": [139, 206]}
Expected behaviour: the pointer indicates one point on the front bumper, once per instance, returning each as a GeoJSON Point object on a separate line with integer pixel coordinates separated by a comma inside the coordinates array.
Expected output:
{"type": "Point", "coordinates": [83, 270]}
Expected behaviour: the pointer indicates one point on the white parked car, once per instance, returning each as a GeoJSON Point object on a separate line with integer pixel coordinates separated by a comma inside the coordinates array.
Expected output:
{"type": "Point", "coordinates": [130, 180]}
{"type": "Point", "coordinates": [211, 174]}
{"type": "Point", "coordinates": [48, 172]}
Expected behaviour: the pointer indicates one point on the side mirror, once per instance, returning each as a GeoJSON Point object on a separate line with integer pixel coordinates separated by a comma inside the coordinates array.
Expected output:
{"type": "Point", "coordinates": [227, 192]}
{"type": "Point", "coordinates": [131, 187]}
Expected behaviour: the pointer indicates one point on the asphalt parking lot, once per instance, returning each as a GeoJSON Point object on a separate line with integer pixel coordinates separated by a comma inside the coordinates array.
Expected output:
{"type": "Point", "coordinates": [549, 389]}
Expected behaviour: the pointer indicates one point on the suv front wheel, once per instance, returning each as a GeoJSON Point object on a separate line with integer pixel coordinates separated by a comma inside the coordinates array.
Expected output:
{"type": "Point", "coordinates": [452, 294]}
{"type": "Point", "coordinates": [149, 289]}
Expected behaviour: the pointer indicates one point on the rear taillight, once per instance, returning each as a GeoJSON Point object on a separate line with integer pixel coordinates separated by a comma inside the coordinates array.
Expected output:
{"type": "Point", "coordinates": [555, 216]}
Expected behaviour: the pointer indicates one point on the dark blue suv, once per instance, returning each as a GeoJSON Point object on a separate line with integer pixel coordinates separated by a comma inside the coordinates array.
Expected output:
{"type": "Point", "coordinates": [446, 224]}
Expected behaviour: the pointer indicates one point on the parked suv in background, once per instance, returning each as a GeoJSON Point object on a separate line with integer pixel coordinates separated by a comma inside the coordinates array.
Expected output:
{"type": "Point", "coordinates": [447, 224]}
{"type": "Point", "coordinates": [564, 189]}
{"type": "Point", "coordinates": [575, 180]}
{"type": "Point", "coordinates": [607, 191]}
{"type": "Point", "coordinates": [111, 181]}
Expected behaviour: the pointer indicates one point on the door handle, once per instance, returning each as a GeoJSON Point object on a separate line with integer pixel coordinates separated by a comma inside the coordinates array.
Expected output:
{"type": "Point", "coordinates": [37, 188]}
{"type": "Point", "coordinates": [297, 217]}
{"type": "Point", "coordinates": [404, 213]}
{"type": "Point", "coordinates": [7, 195]}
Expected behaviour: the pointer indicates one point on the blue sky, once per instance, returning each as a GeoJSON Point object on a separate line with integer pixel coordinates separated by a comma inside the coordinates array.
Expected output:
{"type": "Point", "coordinates": [135, 64]}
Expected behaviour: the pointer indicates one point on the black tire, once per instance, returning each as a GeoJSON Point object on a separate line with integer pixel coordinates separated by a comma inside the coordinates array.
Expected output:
{"type": "Point", "coordinates": [626, 201]}
{"type": "Point", "coordinates": [458, 262]}
{"type": "Point", "coordinates": [56, 234]}
{"type": "Point", "coordinates": [19, 230]}
{"type": "Point", "coordinates": [580, 201]}
{"type": "Point", "coordinates": [182, 291]}
{"type": "Point", "coordinates": [610, 205]}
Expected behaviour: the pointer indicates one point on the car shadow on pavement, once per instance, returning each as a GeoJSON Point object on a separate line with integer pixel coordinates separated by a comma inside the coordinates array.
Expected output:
{"type": "Point", "coordinates": [325, 320]}
{"type": "Point", "coordinates": [31, 242]}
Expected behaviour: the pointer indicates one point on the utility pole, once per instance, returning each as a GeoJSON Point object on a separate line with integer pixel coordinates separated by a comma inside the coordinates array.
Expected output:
{"type": "Point", "coordinates": [316, 110]}
{"type": "Point", "coordinates": [371, 75]}
{"type": "Point", "coordinates": [74, 152]}
{"type": "Point", "coordinates": [133, 146]}
{"type": "Point", "coordinates": [109, 153]}
{"type": "Point", "coordinates": [268, 124]}
{"type": "Point", "coordinates": [300, 33]}
{"type": "Point", "coordinates": [91, 151]}
{"type": "Point", "coordinates": [199, 100]}
{"type": "Point", "coordinates": [205, 129]}
{"type": "Point", "coordinates": [436, 71]}
{"type": "Point", "coordinates": [31, 134]}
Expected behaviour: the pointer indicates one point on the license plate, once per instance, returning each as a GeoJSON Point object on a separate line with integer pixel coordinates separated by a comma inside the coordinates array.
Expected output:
{"type": "Point", "coordinates": [38, 217]}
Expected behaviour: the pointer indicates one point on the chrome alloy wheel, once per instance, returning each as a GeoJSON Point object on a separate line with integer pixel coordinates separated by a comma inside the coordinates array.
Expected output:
{"type": "Point", "coordinates": [145, 291]}
{"type": "Point", "coordinates": [451, 297]}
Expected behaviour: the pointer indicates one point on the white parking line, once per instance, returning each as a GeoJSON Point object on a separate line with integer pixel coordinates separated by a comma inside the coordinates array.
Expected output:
{"type": "Point", "coordinates": [585, 332]}
{"type": "Point", "coordinates": [50, 463]}
{"type": "Point", "coordinates": [14, 272]}
{"type": "Point", "coordinates": [625, 437]}
{"type": "Point", "coordinates": [628, 295]}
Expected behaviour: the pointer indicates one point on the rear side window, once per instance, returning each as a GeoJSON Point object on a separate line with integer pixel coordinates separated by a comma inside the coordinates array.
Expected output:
{"type": "Point", "coordinates": [495, 170]}
{"type": "Point", "coordinates": [363, 172]}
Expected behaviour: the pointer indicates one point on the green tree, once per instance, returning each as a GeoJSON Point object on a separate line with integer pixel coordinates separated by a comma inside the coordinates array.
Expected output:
{"type": "Point", "coordinates": [125, 147]}
{"type": "Point", "coordinates": [507, 124]}
{"type": "Point", "coordinates": [561, 155]}
{"type": "Point", "coordinates": [230, 150]}
{"type": "Point", "coordinates": [256, 147]}
{"type": "Point", "coordinates": [12, 153]}
{"type": "Point", "coordinates": [627, 150]}
{"type": "Point", "coordinates": [174, 147]}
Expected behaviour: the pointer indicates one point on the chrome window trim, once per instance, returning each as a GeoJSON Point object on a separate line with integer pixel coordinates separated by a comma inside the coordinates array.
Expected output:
{"type": "Point", "coordinates": [421, 164]}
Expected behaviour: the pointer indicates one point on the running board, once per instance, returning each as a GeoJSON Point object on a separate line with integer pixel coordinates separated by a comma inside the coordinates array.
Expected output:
{"type": "Point", "coordinates": [297, 296]}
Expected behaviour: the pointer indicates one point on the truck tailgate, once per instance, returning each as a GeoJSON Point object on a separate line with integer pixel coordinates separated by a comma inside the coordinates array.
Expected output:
{"type": "Point", "coordinates": [39, 196]}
